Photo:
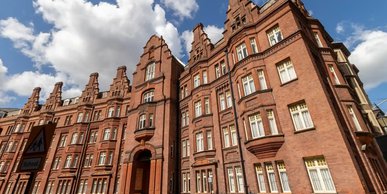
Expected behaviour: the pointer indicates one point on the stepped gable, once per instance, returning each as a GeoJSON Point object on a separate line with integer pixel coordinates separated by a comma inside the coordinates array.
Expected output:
{"type": "Point", "coordinates": [121, 84]}
{"type": "Point", "coordinates": [239, 14]}
{"type": "Point", "coordinates": [201, 45]}
{"type": "Point", "coordinates": [91, 89]}
{"type": "Point", "coordinates": [33, 102]}
{"type": "Point", "coordinates": [55, 98]}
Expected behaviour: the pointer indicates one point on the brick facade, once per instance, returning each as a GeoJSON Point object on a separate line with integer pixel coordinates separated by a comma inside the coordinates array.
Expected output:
{"type": "Point", "coordinates": [273, 107]}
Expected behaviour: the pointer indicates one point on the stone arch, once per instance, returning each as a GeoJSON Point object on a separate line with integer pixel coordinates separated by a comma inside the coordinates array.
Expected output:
{"type": "Point", "coordinates": [142, 147]}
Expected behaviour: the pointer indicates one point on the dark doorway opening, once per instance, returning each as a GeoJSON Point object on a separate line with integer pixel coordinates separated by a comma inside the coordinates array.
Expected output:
{"type": "Point", "coordinates": [140, 173]}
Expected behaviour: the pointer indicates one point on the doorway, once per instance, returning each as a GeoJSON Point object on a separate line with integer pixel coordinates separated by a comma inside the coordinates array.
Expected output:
{"type": "Point", "coordinates": [140, 173]}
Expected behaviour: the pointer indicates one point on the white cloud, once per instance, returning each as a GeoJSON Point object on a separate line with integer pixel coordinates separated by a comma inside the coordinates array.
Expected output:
{"type": "Point", "coordinates": [29, 81]}
{"type": "Point", "coordinates": [86, 38]}
{"type": "Point", "coordinates": [369, 55]}
{"type": "Point", "coordinates": [214, 33]}
{"type": "Point", "coordinates": [4, 98]}
{"type": "Point", "coordinates": [340, 28]}
{"type": "Point", "coordinates": [187, 37]}
{"type": "Point", "coordinates": [182, 8]}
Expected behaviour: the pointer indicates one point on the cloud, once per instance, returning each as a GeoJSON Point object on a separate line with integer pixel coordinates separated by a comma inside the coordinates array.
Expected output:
{"type": "Point", "coordinates": [340, 28]}
{"type": "Point", "coordinates": [369, 55]}
{"type": "Point", "coordinates": [87, 38]}
{"type": "Point", "coordinates": [182, 8]}
{"type": "Point", "coordinates": [214, 33]}
{"type": "Point", "coordinates": [4, 98]}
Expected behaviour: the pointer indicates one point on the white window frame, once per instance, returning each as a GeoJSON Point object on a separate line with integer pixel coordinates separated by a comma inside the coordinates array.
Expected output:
{"type": "Point", "coordinates": [68, 161]}
{"type": "Point", "coordinates": [106, 134]}
{"type": "Point", "coordinates": [74, 138]}
{"type": "Point", "coordinates": [233, 135]}
{"type": "Point", "coordinates": [283, 177]}
{"type": "Point", "coordinates": [80, 118]}
{"type": "Point", "coordinates": [260, 179]}
{"type": "Point", "coordinates": [231, 180]}
{"type": "Point", "coordinates": [63, 139]}
{"type": "Point", "coordinates": [151, 120]}
{"type": "Point", "coordinates": [354, 119]}
{"type": "Point", "coordinates": [148, 96]}
{"type": "Point", "coordinates": [209, 141]}
{"type": "Point", "coordinates": [142, 121]}
{"type": "Point", "coordinates": [272, 122]}
{"type": "Point", "coordinates": [228, 99]}
{"type": "Point", "coordinates": [207, 105]}
{"type": "Point", "coordinates": [217, 71]}
{"type": "Point", "coordinates": [198, 108]}
{"type": "Point", "coordinates": [248, 85]}
{"type": "Point", "coordinates": [223, 68]}
{"type": "Point", "coordinates": [222, 102]}
{"type": "Point", "coordinates": [184, 148]}
{"type": "Point", "coordinates": [242, 51]}
{"type": "Point", "coordinates": [317, 165]}
{"type": "Point", "coordinates": [333, 72]}
{"type": "Point", "coordinates": [198, 182]}
{"type": "Point", "coordinates": [102, 159]}
{"type": "Point", "coordinates": [271, 178]}
{"type": "Point", "coordinates": [205, 78]}
{"type": "Point", "coordinates": [286, 71]}
{"type": "Point", "coordinates": [111, 112]}
{"type": "Point", "coordinates": [150, 71]}
{"type": "Point", "coordinates": [318, 41]}
{"type": "Point", "coordinates": [262, 80]}
{"type": "Point", "coordinates": [274, 35]}
{"type": "Point", "coordinates": [199, 142]}
{"type": "Point", "coordinates": [196, 80]}
{"type": "Point", "coordinates": [301, 117]}
{"type": "Point", "coordinates": [239, 179]}
{"type": "Point", "coordinates": [256, 126]}
{"type": "Point", "coordinates": [226, 137]}
{"type": "Point", "coordinates": [254, 47]}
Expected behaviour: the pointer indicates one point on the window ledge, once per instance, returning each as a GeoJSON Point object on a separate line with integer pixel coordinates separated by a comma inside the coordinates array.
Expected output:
{"type": "Point", "coordinates": [305, 130]}
{"type": "Point", "coordinates": [205, 154]}
{"type": "Point", "coordinates": [201, 116]}
{"type": "Point", "coordinates": [230, 147]}
{"type": "Point", "coordinates": [290, 81]}
{"type": "Point", "coordinates": [326, 193]}
{"type": "Point", "coordinates": [254, 93]}
{"type": "Point", "coordinates": [225, 110]}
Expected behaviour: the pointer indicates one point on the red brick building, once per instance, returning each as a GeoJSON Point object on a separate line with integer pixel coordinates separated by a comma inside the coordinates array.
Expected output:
{"type": "Point", "coordinates": [273, 107]}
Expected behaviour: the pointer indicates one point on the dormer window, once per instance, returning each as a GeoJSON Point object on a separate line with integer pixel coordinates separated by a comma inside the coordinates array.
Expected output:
{"type": "Point", "coordinates": [148, 96]}
{"type": "Point", "coordinates": [150, 71]}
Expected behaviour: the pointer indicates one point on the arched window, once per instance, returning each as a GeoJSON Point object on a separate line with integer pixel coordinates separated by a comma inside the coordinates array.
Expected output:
{"type": "Point", "coordinates": [142, 121]}
{"type": "Point", "coordinates": [148, 96]}
{"type": "Point", "coordinates": [150, 71]}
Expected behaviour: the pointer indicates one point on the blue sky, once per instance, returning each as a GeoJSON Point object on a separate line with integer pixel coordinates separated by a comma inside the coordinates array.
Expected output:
{"type": "Point", "coordinates": [46, 41]}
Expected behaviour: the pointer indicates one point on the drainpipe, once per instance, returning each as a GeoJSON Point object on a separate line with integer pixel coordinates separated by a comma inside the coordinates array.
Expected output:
{"type": "Point", "coordinates": [236, 125]}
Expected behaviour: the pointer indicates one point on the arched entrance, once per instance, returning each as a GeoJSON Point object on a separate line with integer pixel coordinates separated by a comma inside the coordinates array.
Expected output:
{"type": "Point", "coordinates": [140, 173]}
